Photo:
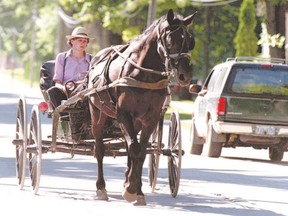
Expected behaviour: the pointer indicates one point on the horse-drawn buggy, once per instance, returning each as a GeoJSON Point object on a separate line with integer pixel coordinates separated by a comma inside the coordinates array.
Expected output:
{"type": "Point", "coordinates": [118, 110]}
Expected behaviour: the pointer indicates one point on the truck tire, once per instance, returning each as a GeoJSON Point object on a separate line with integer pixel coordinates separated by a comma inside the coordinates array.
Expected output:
{"type": "Point", "coordinates": [196, 141]}
{"type": "Point", "coordinates": [276, 153]}
{"type": "Point", "coordinates": [214, 148]}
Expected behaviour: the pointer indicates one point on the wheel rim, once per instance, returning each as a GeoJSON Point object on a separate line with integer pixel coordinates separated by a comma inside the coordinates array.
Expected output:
{"type": "Point", "coordinates": [154, 158]}
{"type": "Point", "coordinates": [174, 159]}
{"type": "Point", "coordinates": [34, 149]}
{"type": "Point", "coordinates": [151, 170]}
{"type": "Point", "coordinates": [21, 134]}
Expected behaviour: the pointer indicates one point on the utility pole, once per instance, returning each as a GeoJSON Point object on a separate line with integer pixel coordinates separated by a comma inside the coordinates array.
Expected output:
{"type": "Point", "coordinates": [286, 34]}
{"type": "Point", "coordinates": [206, 64]}
{"type": "Point", "coordinates": [32, 46]}
{"type": "Point", "coordinates": [151, 12]}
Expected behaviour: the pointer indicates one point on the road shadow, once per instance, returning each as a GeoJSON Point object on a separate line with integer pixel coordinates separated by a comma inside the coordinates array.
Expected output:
{"type": "Point", "coordinates": [8, 109]}
{"type": "Point", "coordinates": [213, 205]}
{"type": "Point", "coordinates": [84, 170]}
{"type": "Point", "coordinates": [283, 163]}
{"type": "Point", "coordinates": [64, 167]}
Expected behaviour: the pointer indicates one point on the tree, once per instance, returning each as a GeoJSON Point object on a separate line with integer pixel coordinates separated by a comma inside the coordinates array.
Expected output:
{"type": "Point", "coordinates": [214, 29]}
{"type": "Point", "coordinates": [17, 34]}
{"type": "Point", "coordinates": [246, 39]}
{"type": "Point", "coordinates": [126, 19]}
{"type": "Point", "coordinates": [275, 22]}
{"type": "Point", "coordinates": [118, 21]}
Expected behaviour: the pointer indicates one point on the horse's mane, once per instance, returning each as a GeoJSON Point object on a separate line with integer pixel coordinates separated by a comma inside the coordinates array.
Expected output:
{"type": "Point", "coordinates": [149, 29]}
{"type": "Point", "coordinates": [154, 25]}
{"type": "Point", "coordinates": [140, 41]}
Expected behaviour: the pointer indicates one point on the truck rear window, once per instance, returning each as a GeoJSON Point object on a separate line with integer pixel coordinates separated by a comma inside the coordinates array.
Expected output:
{"type": "Point", "coordinates": [260, 80]}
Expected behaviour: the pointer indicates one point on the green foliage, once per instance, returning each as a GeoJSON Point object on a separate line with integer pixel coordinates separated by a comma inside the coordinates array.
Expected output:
{"type": "Point", "coordinates": [279, 2]}
{"type": "Point", "coordinates": [128, 18]}
{"type": "Point", "coordinates": [121, 17]}
{"type": "Point", "coordinates": [46, 32]}
{"type": "Point", "coordinates": [272, 40]}
{"type": "Point", "coordinates": [246, 39]}
{"type": "Point", "coordinates": [19, 26]}
{"type": "Point", "coordinates": [219, 38]}
{"type": "Point", "coordinates": [260, 89]}
{"type": "Point", "coordinates": [129, 33]}
{"type": "Point", "coordinates": [115, 15]}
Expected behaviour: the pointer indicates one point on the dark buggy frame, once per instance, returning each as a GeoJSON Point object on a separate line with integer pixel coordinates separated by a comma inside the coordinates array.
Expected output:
{"type": "Point", "coordinates": [30, 146]}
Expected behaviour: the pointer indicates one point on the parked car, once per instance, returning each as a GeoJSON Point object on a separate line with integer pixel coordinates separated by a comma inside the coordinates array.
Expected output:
{"type": "Point", "coordinates": [243, 102]}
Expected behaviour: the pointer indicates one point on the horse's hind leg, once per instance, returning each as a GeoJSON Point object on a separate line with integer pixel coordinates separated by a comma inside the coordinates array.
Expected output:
{"type": "Point", "coordinates": [101, 193]}
{"type": "Point", "coordinates": [98, 122]}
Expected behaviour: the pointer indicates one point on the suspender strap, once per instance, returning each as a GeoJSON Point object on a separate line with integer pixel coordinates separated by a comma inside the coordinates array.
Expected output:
{"type": "Point", "coordinates": [64, 64]}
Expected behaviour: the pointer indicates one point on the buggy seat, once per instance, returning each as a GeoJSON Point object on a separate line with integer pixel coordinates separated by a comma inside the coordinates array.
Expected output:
{"type": "Point", "coordinates": [79, 115]}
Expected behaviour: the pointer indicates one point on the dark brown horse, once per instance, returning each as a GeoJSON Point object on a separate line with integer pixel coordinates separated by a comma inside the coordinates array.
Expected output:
{"type": "Point", "coordinates": [135, 82]}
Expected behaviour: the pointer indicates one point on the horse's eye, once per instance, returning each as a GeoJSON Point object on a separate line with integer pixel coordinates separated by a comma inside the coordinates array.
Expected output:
{"type": "Point", "coordinates": [191, 43]}
{"type": "Point", "coordinates": [169, 42]}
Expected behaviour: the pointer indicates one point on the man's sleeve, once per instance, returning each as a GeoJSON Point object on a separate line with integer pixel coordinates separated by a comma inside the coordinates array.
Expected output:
{"type": "Point", "coordinates": [59, 64]}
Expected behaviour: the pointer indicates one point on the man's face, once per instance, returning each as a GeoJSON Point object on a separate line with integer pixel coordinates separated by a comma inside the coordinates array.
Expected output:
{"type": "Point", "coordinates": [79, 43]}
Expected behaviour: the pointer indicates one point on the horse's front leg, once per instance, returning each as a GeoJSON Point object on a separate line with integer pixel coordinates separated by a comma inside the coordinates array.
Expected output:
{"type": "Point", "coordinates": [132, 189]}
{"type": "Point", "coordinates": [144, 139]}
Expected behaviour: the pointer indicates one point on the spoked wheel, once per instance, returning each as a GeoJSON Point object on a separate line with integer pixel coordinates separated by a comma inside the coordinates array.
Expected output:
{"type": "Point", "coordinates": [34, 149]}
{"type": "Point", "coordinates": [21, 137]}
{"type": "Point", "coordinates": [156, 142]}
{"type": "Point", "coordinates": [175, 153]}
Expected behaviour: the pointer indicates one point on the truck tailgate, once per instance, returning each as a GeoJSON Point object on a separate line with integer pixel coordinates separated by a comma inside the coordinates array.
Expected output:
{"type": "Point", "coordinates": [257, 110]}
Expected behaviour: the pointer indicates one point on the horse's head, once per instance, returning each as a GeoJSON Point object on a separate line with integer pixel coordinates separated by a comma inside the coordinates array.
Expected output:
{"type": "Point", "coordinates": [174, 44]}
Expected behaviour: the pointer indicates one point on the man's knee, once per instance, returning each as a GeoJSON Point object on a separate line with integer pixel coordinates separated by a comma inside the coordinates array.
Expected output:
{"type": "Point", "coordinates": [56, 95]}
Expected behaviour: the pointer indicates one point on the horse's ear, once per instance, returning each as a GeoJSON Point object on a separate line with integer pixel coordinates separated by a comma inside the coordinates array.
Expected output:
{"type": "Point", "coordinates": [170, 16]}
{"type": "Point", "coordinates": [188, 20]}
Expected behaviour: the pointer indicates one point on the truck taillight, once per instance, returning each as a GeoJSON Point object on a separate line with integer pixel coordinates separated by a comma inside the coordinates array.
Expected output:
{"type": "Point", "coordinates": [221, 106]}
{"type": "Point", "coordinates": [266, 66]}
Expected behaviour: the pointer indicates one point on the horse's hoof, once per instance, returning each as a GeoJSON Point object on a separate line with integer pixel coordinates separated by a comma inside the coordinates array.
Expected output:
{"type": "Point", "coordinates": [140, 201]}
{"type": "Point", "coordinates": [129, 196]}
{"type": "Point", "coordinates": [101, 195]}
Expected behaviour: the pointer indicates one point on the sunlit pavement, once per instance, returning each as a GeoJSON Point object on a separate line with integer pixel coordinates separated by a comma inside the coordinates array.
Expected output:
{"type": "Point", "coordinates": [241, 182]}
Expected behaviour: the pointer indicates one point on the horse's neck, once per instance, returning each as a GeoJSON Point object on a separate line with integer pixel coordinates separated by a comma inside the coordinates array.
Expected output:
{"type": "Point", "coordinates": [106, 53]}
{"type": "Point", "coordinates": [144, 52]}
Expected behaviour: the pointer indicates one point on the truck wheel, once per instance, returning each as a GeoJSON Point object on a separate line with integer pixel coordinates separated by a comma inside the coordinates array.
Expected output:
{"type": "Point", "coordinates": [214, 148]}
{"type": "Point", "coordinates": [276, 153]}
{"type": "Point", "coordinates": [196, 141]}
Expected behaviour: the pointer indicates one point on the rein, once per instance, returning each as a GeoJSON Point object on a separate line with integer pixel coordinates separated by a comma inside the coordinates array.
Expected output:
{"type": "Point", "coordinates": [167, 56]}
{"type": "Point", "coordinates": [163, 73]}
{"type": "Point", "coordinates": [123, 81]}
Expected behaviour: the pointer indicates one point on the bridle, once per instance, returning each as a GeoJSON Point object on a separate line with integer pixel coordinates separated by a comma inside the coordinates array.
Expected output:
{"type": "Point", "coordinates": [164, 51]}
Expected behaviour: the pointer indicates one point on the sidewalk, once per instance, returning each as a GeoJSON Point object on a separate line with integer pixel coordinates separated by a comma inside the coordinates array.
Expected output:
{"type": "Point", "coordinates": [9, 85]}
{"type": "Point", "coordinates": [10, 92]}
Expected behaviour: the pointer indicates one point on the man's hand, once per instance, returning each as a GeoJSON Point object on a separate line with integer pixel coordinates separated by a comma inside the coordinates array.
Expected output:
{"type": "Point", "coordinates": [70, 86]}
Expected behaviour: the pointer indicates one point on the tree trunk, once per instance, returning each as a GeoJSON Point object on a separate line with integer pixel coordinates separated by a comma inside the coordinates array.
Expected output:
{"type": "Point", "coordinates": [206, 61]}
{"type": "Point", "coordinates": [275, 24]}
{"type": "Point", "coordinates": [103, 37]}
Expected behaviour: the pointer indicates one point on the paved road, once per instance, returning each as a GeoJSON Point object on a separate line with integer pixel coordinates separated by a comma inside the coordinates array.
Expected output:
{"type": "Point", "coordinates": [242, 182]}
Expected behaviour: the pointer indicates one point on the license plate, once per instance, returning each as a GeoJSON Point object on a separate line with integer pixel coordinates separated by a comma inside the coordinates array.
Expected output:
{"type": "Point", "coordinates": [265, 130]}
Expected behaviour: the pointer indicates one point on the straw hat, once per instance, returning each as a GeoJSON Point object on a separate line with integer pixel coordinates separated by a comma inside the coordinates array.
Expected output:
{"type": "Point", "coordinates": [78, 32]}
